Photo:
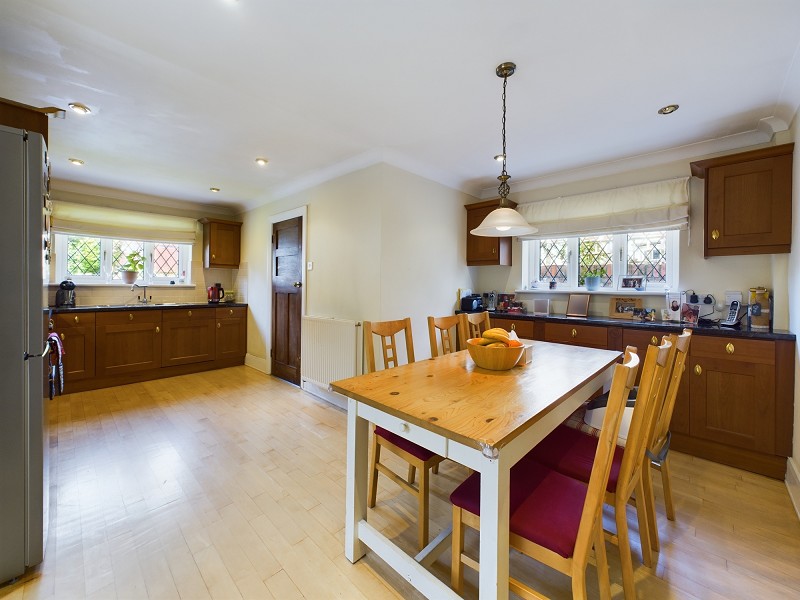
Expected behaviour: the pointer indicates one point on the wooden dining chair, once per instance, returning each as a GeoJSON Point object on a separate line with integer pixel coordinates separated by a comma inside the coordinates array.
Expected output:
{"type": "Point", "coordinates": [418, 458]}
{"type": "Point", "coordinates": [475, 323]}
{"type": "Point", "coordinates": [451, 334]}
{"type": "Point", "coordinates": [658, 444]}
{"type": "Point", "coordinates": [554, 519]}
{"type": "Point", "coordinates": [571, 452]}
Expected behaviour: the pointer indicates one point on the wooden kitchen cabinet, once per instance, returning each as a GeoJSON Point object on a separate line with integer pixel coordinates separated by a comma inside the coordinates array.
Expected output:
{"type": "Point", "coordinates": [485, 250]}
{"type": "Point", "coordinates": [592, 336]}
{"type": "Point", "coordinates": [128, 341]}
{"type": "Point", "coordinates": [77, 338]}
{"type": "Point", "coordinates": [189, 336]}
{"type": "Point", "coordinates": [231, 338]}
{"type": "Point", "coordinates": [221, 243]}
{"type": "Point", "coordinates": [748, 201]}
{"type": "Point", "coordinates": [524, 328]}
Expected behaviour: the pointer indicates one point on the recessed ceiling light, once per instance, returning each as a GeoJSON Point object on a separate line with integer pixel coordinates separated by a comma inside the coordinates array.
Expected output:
{"type": "Point", "coordinates": [79, 108]}
{"type": "Point", "coordinates": [213, 189]}
{"type": "Point", "coordinates": [668, 109]}
{"type": "Point", "coordinates": [261, 162]}
{"type": "Point", "coordinates": [76, 161]}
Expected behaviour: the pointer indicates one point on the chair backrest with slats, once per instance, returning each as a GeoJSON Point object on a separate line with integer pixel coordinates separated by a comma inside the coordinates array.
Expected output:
{"type": "Point", "coordinates": [652, 387]}
{"type": "Point", "coordinates": [386, 331]}
{"type": "Point", "coordinates": [661, 421]}
{"type": "Point", "coordinates": [475, 323]}
{"type": "Point", "coordinates": [621, 385]}
{"type": "Point", "coordinates": [446, 327]}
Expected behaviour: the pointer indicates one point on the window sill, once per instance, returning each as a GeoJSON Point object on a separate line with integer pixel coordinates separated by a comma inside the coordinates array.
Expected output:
{"type": "Point", "coordinates": [117, 285]}
{"type": "Point", "coordinates": [600, 291]}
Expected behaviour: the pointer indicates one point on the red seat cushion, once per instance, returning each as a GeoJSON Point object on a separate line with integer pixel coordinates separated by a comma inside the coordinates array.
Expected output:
{"type": "Point", "coordinates": [551, 513]}
{"type": "Point", "coordinates": [468, 494]}
{"type": "Point", "coordinates": [571, 452]}
{"type": "Point", "coordinates": [404, 444]}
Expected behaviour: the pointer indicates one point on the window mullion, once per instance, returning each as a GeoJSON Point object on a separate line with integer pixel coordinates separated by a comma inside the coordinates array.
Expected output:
{"type": "Point", "coordinates": [574, 262]}
{"type": "Point", "coordinates": [619, 253]}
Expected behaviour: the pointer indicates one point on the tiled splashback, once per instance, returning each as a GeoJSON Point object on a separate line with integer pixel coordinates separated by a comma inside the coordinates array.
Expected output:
{"type": "Point", "coordinates": [230, 279]}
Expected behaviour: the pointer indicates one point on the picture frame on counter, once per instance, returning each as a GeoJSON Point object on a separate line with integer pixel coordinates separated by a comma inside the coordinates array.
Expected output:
{"type": "Point", "coordinates": [637, 283]}
{"type": "Point", "coordinates": [578, 305]}
{"type": "Point", "coordinates": [621, 307]}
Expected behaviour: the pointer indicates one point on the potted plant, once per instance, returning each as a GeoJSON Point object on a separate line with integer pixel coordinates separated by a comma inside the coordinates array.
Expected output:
{"type": "Point", "coordinates": [591, 278]}
{"type": "Point", "coordinates": [134, 264]}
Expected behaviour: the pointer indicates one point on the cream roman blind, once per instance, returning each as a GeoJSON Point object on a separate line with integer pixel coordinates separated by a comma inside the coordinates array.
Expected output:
{"type": "Point", "coordinates": [98, 221]}
{"type": "Point", "coordinates": [653, 206]}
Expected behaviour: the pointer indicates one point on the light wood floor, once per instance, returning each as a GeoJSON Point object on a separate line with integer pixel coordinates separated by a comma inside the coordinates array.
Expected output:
{"type": "Point", "coordinates": [230, 484]}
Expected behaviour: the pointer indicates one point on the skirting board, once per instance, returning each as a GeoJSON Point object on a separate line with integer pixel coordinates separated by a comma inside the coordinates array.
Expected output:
{"type": "Point", "coordinates": [259, 364]}
{"type": "Point", "coordinates": [336, 399]}
{"type": "Point", "coordinates": [793, 483]}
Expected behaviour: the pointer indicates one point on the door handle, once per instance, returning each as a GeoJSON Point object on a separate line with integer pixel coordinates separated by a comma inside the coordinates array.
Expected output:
{"type": "Point", "coordinates": [297, 284]}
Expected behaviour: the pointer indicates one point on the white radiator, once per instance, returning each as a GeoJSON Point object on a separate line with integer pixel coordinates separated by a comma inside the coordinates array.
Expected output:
{"type": "Point", "coordinates": [330, 349]}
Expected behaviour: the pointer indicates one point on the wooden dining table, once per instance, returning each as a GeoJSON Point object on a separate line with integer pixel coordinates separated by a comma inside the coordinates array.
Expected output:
{"type": "Point", "coordinates": [485, 420]}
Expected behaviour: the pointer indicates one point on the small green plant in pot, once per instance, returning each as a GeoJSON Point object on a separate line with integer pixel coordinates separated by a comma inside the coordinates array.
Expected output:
{"type": "Point", "coordinates": [134, 264]}
{"type": "Point", "coordinates": [592, 277]}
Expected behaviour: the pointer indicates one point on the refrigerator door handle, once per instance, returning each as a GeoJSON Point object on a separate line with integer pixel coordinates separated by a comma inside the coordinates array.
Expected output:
{"type": "Point", "coordinates": [44, 353]}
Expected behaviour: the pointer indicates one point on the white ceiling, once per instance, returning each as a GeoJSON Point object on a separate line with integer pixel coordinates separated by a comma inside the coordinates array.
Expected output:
{"type": "Point", "coordinates": [186, 93]}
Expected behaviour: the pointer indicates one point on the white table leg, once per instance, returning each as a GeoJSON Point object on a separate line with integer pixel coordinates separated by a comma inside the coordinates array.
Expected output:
{"type": "Point", "coordinates": [493, 578]}
{"type": "Point", "coordinates": [356, 489]}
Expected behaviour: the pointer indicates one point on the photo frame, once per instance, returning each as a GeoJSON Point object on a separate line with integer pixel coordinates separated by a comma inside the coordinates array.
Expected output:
{"type": "Point", "coordinates": [632, 282]}
{"type": "Point", "coordinates": [622, 307]}
{"type": "Point", "coordinates": [578, 305]}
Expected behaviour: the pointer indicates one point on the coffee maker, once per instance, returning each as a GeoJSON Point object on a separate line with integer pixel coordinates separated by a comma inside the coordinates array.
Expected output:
{"type": "Point", "coordinates": [65, 295]}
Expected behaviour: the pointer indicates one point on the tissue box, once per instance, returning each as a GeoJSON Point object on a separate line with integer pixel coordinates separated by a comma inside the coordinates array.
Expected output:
{"type": "Point", "coordinates": [527, 356]}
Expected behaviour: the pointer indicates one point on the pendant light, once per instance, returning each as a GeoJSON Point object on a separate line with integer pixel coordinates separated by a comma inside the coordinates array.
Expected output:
{"type": "Point", "coordinates": [504, 221]}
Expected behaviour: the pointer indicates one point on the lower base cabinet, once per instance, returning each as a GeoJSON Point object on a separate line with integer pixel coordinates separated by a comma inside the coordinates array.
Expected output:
{"type": "Point", "coordinates": [108, 348]}
{"type": "Point", "coordinates": [735, 405]}
{"type": "Point", "coordinates": [127, 342]}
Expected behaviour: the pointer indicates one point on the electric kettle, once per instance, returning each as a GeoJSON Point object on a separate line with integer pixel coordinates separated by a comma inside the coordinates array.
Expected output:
{"type": "Point", "coordinates": [65, 295]}
{"type": "Point", "coordinates": [216, 293]}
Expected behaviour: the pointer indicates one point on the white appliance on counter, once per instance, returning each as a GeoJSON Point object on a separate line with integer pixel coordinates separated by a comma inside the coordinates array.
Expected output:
{"type": "Point", "coordinates": [24, 461]}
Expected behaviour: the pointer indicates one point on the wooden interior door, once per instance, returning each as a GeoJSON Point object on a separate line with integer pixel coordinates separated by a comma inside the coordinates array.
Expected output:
{"type": "Point", "coordinates": [287, 281]}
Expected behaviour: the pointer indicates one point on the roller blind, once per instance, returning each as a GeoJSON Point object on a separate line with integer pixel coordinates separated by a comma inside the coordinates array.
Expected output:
{"type": "Point", "coordinates": [661, 205]}
{"type": "Point", "coordinates": [97, 221]}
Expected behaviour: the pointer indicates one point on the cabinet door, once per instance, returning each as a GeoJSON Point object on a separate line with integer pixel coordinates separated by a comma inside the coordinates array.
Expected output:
{"type": "Point", "coordinates": [732, 385]}
{"type": "Point", "coordinates": [77, 336]}
{"type": "Point", "coordinates": [485, 250]}
{"type": "Point", "coordinates": [221, 243]}
{"type": "Point", "coordinates": [188, 336]}
{"type": "Point", "coordinates": [522, 327]}
{"type": "Point", "coordinates": [231, 340]}
{"type": "Point", "coordinates": [748, 204]}
{"type": "Point", "coordinates": [128, 342]}
{"type": "Point", "coordinates": [576, 335]}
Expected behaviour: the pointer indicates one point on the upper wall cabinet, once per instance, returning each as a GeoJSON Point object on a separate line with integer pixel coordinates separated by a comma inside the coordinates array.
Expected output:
{"type": "Point", "coordinates": [221, 241]}
{"type": "Point", "coordinates": [485, 250]}
{"type": "Point", "coordinates": [748, 207]}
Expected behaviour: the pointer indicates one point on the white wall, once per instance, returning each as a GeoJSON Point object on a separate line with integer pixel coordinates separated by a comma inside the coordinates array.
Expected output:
{"type": "Point", "coordinates": [713, 275]}
{"type": "Point", "coordinates": [385, 244]}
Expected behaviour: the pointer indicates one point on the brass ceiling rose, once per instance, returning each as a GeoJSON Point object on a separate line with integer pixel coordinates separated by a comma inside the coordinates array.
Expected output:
{"type": "Point", "coordinates": [505, 69]}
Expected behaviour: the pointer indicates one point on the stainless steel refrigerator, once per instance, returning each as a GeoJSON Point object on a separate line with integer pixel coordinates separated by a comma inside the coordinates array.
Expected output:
{"type": "Point", "coordinates": [23, 420]}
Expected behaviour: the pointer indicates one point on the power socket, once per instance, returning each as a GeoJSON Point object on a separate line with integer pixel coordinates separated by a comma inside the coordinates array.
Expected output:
{"type": "Point", "coordinates": [731, 296]}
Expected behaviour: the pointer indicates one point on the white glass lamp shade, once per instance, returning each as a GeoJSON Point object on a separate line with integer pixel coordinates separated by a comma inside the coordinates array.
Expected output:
{"type": "Point", "coordinates": [504, 222]}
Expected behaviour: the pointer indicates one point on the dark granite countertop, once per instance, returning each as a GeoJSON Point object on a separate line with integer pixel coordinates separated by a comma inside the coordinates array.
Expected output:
{"type": "Point", "coordinates": [663, 326]}
{"type": "Point", "coordinates": [149, 306]}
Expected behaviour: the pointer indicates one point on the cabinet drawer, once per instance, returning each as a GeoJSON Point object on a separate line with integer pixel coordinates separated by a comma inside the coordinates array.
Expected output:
{"type": "Point", "coordinates": [231, 312]}
{"type": "Point", "coordinates": [183, 314]}
{"type": "Point", "coordinates": [580, 335]}
{"type": "Point", "coordinates": [523, 328]}
{"type": "Point", "coordinates": [132, 316]}
{"type": "Point", "coordinates": [737, 349]}
{"type": "Point", "coordinates": [66, 320]}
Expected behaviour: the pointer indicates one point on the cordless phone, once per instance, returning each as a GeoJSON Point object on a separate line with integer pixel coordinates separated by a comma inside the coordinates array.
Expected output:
{"type": "Point", "coordinates": [735, 314]}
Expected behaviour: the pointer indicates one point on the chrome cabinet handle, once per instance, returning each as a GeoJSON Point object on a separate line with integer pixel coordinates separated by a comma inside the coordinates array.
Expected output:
{"type": "Point", "coordinates": [297, 284]}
